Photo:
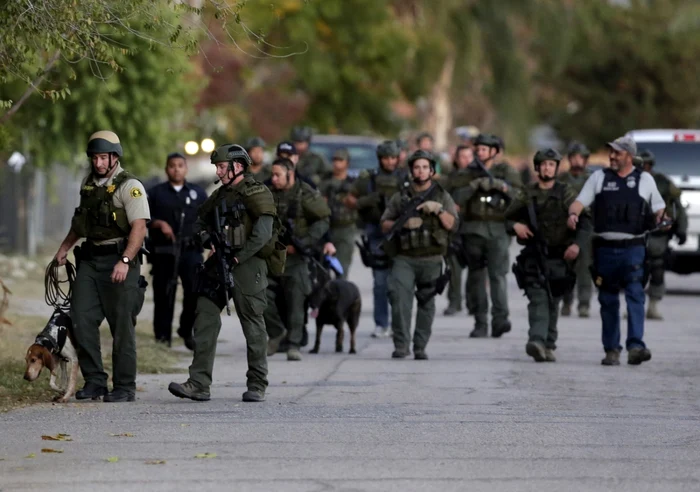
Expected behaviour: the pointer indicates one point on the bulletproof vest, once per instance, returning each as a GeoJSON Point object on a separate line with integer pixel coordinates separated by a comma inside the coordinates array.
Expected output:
{"type": "Point", "coordinates": [430, 238]}
{"type": "Point", "coordinates": [291, 206]}
{"type": "Point", "coordinates": [619, 208]}
{"type": "Point", "coordinates": [341, 214]}
{"type": "Point", "coordinates": [576, 182]}
{"type": "Point", "coordinates": [311, 165]}
{"type": "Point", "coordinates": [96, 217]}
{"type": "Point", "coordinates": [552, 214]}
{"type": "Point", "coordinates": [386, 184]}
{"type": "Point", "coordinates": [668, 192]}
{"type": "Point", "coordinates": [479, 207]}
{"type": "Point", "coordinates": [458, 180]}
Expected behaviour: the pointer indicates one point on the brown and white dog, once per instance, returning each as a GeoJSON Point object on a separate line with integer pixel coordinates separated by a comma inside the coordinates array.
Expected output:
{"type": "Point", "coordinates": [54, 348]}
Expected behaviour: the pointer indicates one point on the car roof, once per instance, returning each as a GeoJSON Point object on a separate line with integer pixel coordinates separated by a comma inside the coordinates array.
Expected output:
{"type": "Point", "coordinates": [345, 139]}
{"type": "Point", "coordinates": [664, 135]}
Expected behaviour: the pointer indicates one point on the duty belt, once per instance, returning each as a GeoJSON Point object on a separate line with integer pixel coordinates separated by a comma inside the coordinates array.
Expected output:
{"type": "Point", "coordinates": [91, 249]}
{"type": "Point", "coordinates": [599, 242]}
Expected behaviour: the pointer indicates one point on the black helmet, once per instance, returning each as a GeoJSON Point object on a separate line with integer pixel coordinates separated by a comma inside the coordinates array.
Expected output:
{"type": "Point", "coordinates": [104, 142]}
{"type": "Point", "coordinates": [387, 148]}
{"type": "Point", "coordinates": [301, 134]}
{"type": "Point", "coordinates": [546, 155]}
{"type": "Point", "coordinates": [402, 144]}
{"type": "Point", "coordinates": [647, 156]}
{"type": "Point", "coordinates": [230, 153]}
{"type": "Point", "coordinates": [489, 141]}
{"type": "Point", "coordinates": [422, 154]}
{"type": "Point", "coordinates": [254, 142]}
{"type": "Point", "coordinates": [578, 148]}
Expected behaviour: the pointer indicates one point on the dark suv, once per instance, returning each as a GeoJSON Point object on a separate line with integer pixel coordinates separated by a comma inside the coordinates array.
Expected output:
{"type": "Point", "coordinates": [363, 150]}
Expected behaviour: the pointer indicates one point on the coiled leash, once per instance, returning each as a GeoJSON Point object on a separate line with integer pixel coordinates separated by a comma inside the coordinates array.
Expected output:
{"type": "Point", "coordinates": [55, 296]}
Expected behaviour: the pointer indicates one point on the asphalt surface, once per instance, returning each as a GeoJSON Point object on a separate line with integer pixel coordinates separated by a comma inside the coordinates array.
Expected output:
{"type": "Point", "coordinates": [480, 415]}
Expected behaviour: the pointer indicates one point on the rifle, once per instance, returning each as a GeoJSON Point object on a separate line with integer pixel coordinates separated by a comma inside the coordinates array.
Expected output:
{"type": "Point", "coordinates": [500, 197]}
{"type": "Point", "coordinates": [541, 250]}
{"type": "Point", "coordinates": [291, 239]}
{"type": "Point", "coordinates": [179, 244]}
{"type": "Point", "coordinates": [221, 250]}
{"type": "Point", "coordinates": [409, 212]}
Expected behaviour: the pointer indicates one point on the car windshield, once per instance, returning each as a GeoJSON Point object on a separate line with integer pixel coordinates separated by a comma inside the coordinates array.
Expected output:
{"type": "Point", "coordinates": [674, 158]}
{"type": "Point", "coordinates": [361, 156]}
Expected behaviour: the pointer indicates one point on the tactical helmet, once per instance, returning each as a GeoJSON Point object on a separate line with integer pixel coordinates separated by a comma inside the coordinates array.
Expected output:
{"type": "Point", "coordinates": [387, 148]}
{"type": "Point", "coordinates": [104, 142]}
{"type": "Point", "coordinates": [578, 148]}
{"type": "Point", "coordinates": [423, 135]}
{"type": "Point", "coordinates": [402, 144]}
{"type": "Point", "coordinates": [489, 141]}
{"type": "Point", "coordinates": [546, 155]}
{"type": "Point", "coordinates": [422, 154]}
{"type": "Point", "coordinates": [230, 153]}
{"type": "Point", "coordinates": [254, 142]}
{"type": "Point", "coordinates": [647, 156]}
{"type": "Point", "coordinates": [301, 134]}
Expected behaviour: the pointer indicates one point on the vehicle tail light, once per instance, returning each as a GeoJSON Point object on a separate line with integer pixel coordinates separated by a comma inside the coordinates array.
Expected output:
{"type": "Point", "coordinates": [685, 137]}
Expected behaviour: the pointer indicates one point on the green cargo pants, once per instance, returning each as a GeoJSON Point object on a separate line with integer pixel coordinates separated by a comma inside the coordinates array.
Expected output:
{"type": "Point", "coordinates": [343, 238]}
{"type": "Point", "coordinates": [584, 281]}
{"type": "Point", "coordinates": [94, 298]}
{"type": "Point", "coordinates": [294, 285]}
{"type": "Point", "coordinates": [454, 290]}
{"type": "Point", "coordinates": [543, 314]}
{"type": "Point", "coordinates": [406, 273]}
{"type": "Point", "coordinates": [488, 258]}
{"type": "Point", "coordinates": [656, 250]}
{"type": "Point", "coordinates": [250, 282]}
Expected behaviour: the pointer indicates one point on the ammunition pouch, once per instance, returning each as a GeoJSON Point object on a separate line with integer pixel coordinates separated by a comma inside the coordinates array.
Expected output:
{"type": "Point", "coordinates": [206, 285]}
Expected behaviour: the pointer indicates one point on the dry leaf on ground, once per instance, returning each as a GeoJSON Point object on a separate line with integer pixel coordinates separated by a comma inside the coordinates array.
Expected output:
{"type": "Point", "coordinates": [49, 450]}
{"type": "Point", "coordinates": [205, 455]}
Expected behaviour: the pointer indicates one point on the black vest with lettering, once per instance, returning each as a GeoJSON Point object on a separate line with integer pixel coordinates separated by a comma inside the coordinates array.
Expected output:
{"type": "Point", "coordinates": [619, 207]}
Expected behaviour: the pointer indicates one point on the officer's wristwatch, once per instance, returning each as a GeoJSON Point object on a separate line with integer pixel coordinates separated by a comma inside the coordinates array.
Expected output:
{"type": "Point", "coordinates": [126, 260]}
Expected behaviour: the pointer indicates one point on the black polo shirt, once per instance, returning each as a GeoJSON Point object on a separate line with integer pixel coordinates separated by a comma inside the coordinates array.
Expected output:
{"type": "Point", "coordinates": [168, 204]}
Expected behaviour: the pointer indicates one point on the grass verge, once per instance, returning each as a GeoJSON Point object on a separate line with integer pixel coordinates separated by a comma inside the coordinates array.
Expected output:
{"type": "Point", "coordinates": [152, 358]}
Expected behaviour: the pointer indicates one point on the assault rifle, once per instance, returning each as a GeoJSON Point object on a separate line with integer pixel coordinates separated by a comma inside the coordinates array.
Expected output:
{"type": "Point", "coordinates": [409, 211]}
{"type": "Point", "coordinates": [541, 250]}
{"type": "Point", "coordinates": [290, 239]}
{"type": "Point", "coordinates": [179, 244]}
{"type": "Point", "coordinates": [222, 249]}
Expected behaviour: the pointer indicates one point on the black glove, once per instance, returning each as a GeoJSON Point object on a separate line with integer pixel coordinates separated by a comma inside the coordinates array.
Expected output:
{"type": "Point", "coordinates": [682, 238]}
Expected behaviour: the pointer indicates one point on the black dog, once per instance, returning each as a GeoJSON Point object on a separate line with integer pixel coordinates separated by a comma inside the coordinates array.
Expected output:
{"type": "Point", "coordinates": [335, 303]}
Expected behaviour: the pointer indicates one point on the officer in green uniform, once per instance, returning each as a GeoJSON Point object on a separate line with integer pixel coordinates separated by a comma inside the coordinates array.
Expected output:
{"type": "Point", "coordinates": [576, 177]}
{"type": "Point", "coordinates": [453, 182]}
{"type": "Point", "coordinates": [657, 244]}
{"type": "Point", "coordinates": [312, 165]}
{"type": "Point", "coordinates": [403, 152]}
{"type": "Point", "coordinates": [246, 218]}
{"type": "Point", "coordinates": [306, 216]}
{"type": "Point", "coordinates": [482, 204]}
{"type": "Point", "coordinates": [256, 150]}
{"type": "Point", "coordinates": [417, 250]}
{"type": "Point", "coordinates": [369, 195]}
{"type": "Point", "coordinates": [112, 217]}
{"type": "Point", "coordinates": [343, 218]}
{"type": "Point", "coordinates": [544, 268]}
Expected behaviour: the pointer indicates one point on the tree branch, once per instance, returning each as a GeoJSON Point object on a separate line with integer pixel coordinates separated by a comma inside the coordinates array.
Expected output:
{"type": "Point", "coordinates": [32, 87]}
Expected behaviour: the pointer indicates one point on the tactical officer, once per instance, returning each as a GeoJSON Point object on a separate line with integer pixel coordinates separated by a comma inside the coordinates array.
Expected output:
{"type": "Point", "coordinates": [246, 216]}
{"type": "Point", "coordinates": [426, 142]}
{"type": "Point", "coordinates": [112, 218]}
{"type": "Point", "coordinates": [343, 218]}
{"type": "Point", "coordinates": [306, 217]}
{"type": "Point", "coordinates": [417, 249]}
{"type": "Point", "coordinates": [544, 268]}
{"type": "Point", "coordinates": [626, 205]}
{"type": "Point", "coordinates": [403, 153]}
{"type": "Point", "coordinates": [657, 244]}
{"type": "Point", "coordinates": [174, 206]}
{"type": "Point", "coordinates": [482, 204]}
{"type": "Point", "coordinates": [453, 183]}
{"type": "Point", "coordinates": [310, 163]}
{"type": "Point", "coordinates": [576, 176]}
{"type": "Point", "coordinates": [256, 150]}
{"type": "Point", "coordinates": [369, 195]}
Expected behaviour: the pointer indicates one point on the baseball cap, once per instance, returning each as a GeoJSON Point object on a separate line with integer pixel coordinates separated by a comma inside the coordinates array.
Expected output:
{"type": "Point", "coordinates": [624, 144]}
{"type": "Point", "coordinates": [286, 148]}
{"type": "Point", "coordinates": [341, 155]}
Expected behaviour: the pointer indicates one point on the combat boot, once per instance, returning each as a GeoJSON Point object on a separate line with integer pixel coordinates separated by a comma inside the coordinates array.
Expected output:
{"type": "Point", "coordinates": [637, 355]}
{"type": "Point", "coordinates": [612, 358]}
{"type": "Point", "coordinates": [536, 350]}
{"type": "Point", "coordinates": [498, 329]}
{"type": "Point", "coordinates": [653, 310]}
{"type": "Point", "coordinates": [419, 354]}
{"type": "Point", "coordinates": [189, 390]}
{"type": "Point", "coordinates": [584, 311]}
{"type": "Point", "coordinates": [119, 395]}
{"type": "Point", "coordinates": [451, 310]}
{"type": "Point", "coordinates": [91, 391]}
{"type": "Point", "coordinates": [549, 355]}
{"type": "Point", "coordinates": [566, 310]}
{"type": "Point", "coordinates": [293, 354]}
{"type": "Point", "coordinates": [399, 354]}
{"type": "Point", "coordinates": [273, 344]}
{"type": "Point", "coordinates": [254, 396]}
{"type": "Point", "coordinates": [479, 332]}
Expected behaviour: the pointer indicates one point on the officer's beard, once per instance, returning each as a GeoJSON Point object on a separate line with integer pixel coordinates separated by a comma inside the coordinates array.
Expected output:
{"type": "Point", "coordinates": [546, 179]}
{"type": "Point", "coordinates": [420, 182]}
{"type": "Point", "coordinates": [576, 169]}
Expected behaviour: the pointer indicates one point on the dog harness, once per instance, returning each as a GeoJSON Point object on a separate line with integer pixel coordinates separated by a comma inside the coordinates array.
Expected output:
{"type": "Point", "coordinates": [53, 336]}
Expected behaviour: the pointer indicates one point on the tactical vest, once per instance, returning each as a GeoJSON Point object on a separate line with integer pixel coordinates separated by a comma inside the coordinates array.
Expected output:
{"type": "Point", "coordinates": [291, 207]}
{"type": "Point", "coordinates": [341, 214]}
{"type": "Point", "coordinates": [619, 207]}
{"type": "Point", "coordinates": [458, 180]}
{"type": "Point", "coordinates": [430, 239]}
{"type": "Point", "coordinates": [480, 206]}
{"type": "Point", "coordinates": [668, 192]}
{"type": "Point", "coordinates": [386, 184]}
{"type": "Point", "coordinates": [552, 215]}
{"type": "Point", "coordinates": [97, 218]}
{"type": "Point", "coordinates": [576, 182]}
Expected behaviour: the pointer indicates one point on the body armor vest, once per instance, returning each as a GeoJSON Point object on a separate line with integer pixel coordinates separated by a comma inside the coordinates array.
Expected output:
{"type": "Point", "coordinates": [552, 215]}
{"type": "Point", "coordinates": [97, 218]}
{"type": "Point", "coordinates": [386, 184]}
{"type": "Point", "coordinates": [619, 207]}
{"type": "Point", "coordinates": [479, 207]}
{"type": "Point", "coordinates": [430, 239]}
{"type": "Point", "coordinates": [341, 215]}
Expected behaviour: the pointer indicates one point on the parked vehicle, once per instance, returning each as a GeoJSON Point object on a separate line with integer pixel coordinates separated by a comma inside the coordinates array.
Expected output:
{"type": "Point", "coordinates": [363, 150]}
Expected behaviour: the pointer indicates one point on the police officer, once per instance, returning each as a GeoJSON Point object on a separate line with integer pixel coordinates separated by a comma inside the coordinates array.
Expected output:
{"type": "Point", "coordinates": [174, 206]}
{"type": "Point", "coordinates": [457, 179]}
{"type": "Point", "coordinates": [306, 216]}
{"type": "Point", "coordinates": [343, 218]}
{"type": "Point", "coordinates": [403, 152]}
{"type": "Point", "coordinates": [246, 213]}
{"type": "Point", "coordinates": [576, 176]}
{"type": "Point", "coordinates": [112, 217]}
{"type": "Point", "coordinates": [657, 244]}
{"type": "Point", "coordinates": [544, 268]}
{"type": "Point", "coordinates": [369, 195]}
{"type": "Point", "coordinates": [626, 205]}
{"type": "Point", "coordinates": [482, 205]}
{"type": "Point", "coordinates": [310, 164]}
{"type": "Point", "coordinates": [256, 150]}
{"type": "Point", "coordinates": [417, 250]}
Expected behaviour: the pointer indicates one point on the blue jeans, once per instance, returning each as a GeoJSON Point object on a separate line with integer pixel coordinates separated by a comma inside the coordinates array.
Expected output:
{"type": "Point", "coordinates": [625, 268]}
{"type": "Point", "coordinates": [381, 279]}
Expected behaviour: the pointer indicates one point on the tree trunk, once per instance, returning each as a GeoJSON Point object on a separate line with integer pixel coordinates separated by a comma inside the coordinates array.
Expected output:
{"type": "Point", "coordinates": [439, 120]}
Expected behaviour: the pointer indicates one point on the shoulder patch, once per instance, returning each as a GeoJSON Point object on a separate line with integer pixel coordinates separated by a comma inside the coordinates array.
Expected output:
{"type": "Point", "coordinates": [135, 192]}
{"type": "Point", "coordinates": [254, 189]}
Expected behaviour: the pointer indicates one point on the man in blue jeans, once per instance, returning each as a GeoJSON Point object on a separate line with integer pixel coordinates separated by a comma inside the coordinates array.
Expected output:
{"type": "Point", "coordinates": [626, 204]}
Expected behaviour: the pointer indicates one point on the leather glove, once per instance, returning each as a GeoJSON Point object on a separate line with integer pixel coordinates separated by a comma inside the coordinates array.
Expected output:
{"type": "Point", "coordinates": [682, 238]}
{"type": "Point", "coordinates": [430, 207]}
{"type": "Point", "coordinates": [413, 223]}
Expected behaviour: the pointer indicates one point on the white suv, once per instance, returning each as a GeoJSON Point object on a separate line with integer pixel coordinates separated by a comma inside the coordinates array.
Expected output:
{"type": "Point", "coordinates": [677, 154]}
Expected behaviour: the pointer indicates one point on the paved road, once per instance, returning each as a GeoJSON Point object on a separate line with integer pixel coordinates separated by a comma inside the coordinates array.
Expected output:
{"type": "Point", "coordinates": [478, 416]}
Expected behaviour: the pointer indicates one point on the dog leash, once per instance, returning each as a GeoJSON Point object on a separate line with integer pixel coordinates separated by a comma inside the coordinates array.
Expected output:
{"type": "Point", "coordinates": [55, 296]}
